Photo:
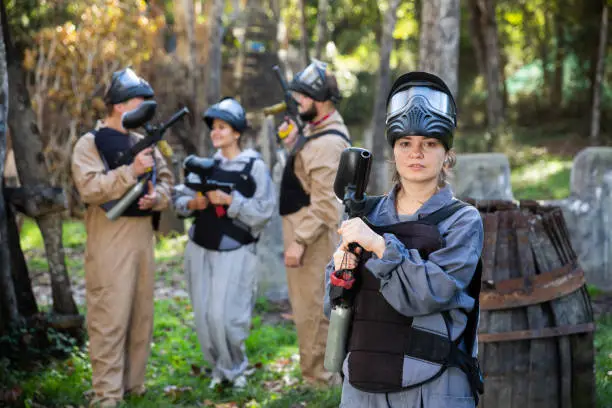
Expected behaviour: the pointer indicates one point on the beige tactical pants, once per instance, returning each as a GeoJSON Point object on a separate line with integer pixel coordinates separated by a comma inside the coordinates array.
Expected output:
{"type": "Point", "coordinates": [306, 291]}
{"type": "Point", "coordinates": [119, 271]}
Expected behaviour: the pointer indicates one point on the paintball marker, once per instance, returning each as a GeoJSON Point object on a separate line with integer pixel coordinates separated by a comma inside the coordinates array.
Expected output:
{"type": "Point", "coordinates": [197, 175]}
{"type": "Point", "coordinates": [198, 171]}
{"type": "Point", "coordinates": [349, 186]}
{"type": "Point", "coordinates": [289, 105]}
{"type": "Point", "coordinates": [154, 134]}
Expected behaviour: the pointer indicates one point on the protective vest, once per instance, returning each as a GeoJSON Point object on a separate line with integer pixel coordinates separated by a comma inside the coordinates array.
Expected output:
{"type": "Point", "coordinates": [381, 337]}
{"type": "Point", "coordinates": [110, 143]}
{"type": "Point", "coordinates": [292, 194]}
{"type": "Point", "coordinates": [211, 225]}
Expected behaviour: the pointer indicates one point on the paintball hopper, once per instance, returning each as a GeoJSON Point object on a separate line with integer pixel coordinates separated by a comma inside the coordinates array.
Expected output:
{"type": "Point", "coordinates": [353, 173]}
{"type": "Point", "coordinates": [198, 165]}
{"type": "Point", "coordinates": [139, 116]}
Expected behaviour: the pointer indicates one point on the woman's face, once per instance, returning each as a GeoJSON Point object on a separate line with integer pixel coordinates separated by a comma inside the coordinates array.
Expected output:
{"type": "Point", "coordinates": [418, 158]}
{"type": "Point", "coordinates": [223, 135]}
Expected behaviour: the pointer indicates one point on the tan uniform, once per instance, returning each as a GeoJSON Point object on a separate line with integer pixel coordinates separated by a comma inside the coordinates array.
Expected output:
{"type": "Point", "coordinates": [315, 226]}
{"type": "Point", "coordinates": [119, 273]}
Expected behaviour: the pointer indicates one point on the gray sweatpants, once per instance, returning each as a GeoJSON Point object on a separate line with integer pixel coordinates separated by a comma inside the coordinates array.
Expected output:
{"type": "Point", "coordinates": [222, 288]}
{"type": "Point", "coordinates": [450, 390]}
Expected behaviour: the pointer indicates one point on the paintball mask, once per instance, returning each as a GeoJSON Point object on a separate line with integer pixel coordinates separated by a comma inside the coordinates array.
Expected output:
{"type": "Point", "coordinates": [315, 83]}
{"type": "Point", "coordinates": [228, 110]}
{"type": "Point", "coordinates": [125, 84]}
{"type": "Point", "coordinates": [420, 104]}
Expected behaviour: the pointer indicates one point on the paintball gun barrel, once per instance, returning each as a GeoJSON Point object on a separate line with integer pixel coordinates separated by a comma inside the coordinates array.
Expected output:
{"type": "Point", "coordinates": [154, 134]}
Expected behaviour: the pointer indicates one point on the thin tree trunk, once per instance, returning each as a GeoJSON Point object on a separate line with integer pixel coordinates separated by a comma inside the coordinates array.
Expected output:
{"type": "Point", "coordinates": [26, 301]}
{"type": "Point", "coordinates": [213, 68]}
{"type": "Point", "coordinates": [32, 170]}
{"type": "Point", "coordinates": [495, 98]}
{"type": "Point", "coordinates": [10, 316]}
{"type": "Point", "coordinates": [483, 29]}
{"type": "Point", "coordinates": [322, 11]}
{"type": "Point", "coordinates": [304, 29]}
{"type": "Point", "coordinates": [476, 36]}
{"type": "Point", "coordinates": [188, 26]}
{"type": "Point", "coordinates": [439, 40]}
{"type": "Point", "coordinates": [379, 178]}
{"type": "Point", "coordinates": [556, 92]}
{"type": "Point", "coordinates": [598, 79]}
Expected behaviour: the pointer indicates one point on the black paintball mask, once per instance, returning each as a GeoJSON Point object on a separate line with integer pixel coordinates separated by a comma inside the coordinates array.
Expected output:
{"type": "Point", "coordinates": [125, 85]}
{"type": "Point", "coordinates": [420, 104]}
{"type": "Point", "coordinates": [315, 83]}
{"type": "Point", "coordinates": [228, 110]}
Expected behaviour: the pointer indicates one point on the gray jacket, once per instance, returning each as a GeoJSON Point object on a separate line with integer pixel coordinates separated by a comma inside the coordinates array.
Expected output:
{"type": "Point", "coordinates": [253, 212]}
{"type": "Point", "coordinates": [423, 288]}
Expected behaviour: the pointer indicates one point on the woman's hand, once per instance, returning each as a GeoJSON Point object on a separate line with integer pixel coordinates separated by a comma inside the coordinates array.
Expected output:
{"type": "Point", "coordinates": [355, 230]}
{"type": "Point", "coordinates": [345, 259]}
{"type": "Point", "coordinates": [218, 197]}
{"type": "Point", "coordinates": [199, 202]}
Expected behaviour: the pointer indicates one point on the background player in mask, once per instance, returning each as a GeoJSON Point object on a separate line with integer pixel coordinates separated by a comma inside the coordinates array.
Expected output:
{"type": "Point", "coordinates": [119, 259]}
{"type": "Point", "coordinates": [412, 341]}
{"type": "Point", "coordinates": [311, 214]}
{"type": "Point", "coordinates": [220, 257]}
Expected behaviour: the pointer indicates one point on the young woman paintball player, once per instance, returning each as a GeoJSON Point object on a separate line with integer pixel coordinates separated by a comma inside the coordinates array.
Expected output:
{"type": "Point", "coordinates": [220, 257]}
{"type": "Point", "coordinates": [412, 341]}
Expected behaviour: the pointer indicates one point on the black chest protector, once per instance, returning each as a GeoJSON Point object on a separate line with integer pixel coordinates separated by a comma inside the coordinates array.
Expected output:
{"type": "Point", "coordinates": [292, 194]}
{"type": "Point", "coordinates": [210, 225]}
{"type": "Point", "coordinates": [110, 143]}
{"type": "Point", "coordinates": [381, 337]}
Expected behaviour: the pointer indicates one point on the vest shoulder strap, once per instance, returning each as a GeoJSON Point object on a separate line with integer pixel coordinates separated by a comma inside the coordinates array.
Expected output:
{"type": "Point", "coordinates": [329, 132]}
{"type": "Point", "coordinates": [249, 166]}
{"type": "Point", "coordinates": [443, 213]}
{"type": "Point", "coordinates": [303, 140]}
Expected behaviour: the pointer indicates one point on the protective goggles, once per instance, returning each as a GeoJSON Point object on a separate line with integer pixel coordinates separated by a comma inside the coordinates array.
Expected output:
{"type": "Point", "coordinates": [435, 100]}
{"type": "Point", "coordinates": [127, 79]}
{"type": "Point", "coordinates": [313, 75]}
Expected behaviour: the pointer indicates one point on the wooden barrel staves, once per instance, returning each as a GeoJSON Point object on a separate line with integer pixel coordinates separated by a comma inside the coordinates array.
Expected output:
{"type": "Point", "coordinates": [536, 325]}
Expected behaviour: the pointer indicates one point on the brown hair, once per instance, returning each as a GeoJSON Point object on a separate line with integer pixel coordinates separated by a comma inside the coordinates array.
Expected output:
{"type": "Point", "coordinates": [445, 174]}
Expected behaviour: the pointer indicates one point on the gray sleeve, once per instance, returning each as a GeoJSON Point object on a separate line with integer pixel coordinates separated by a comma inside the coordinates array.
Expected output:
{"type": "Point", "coordinates": [257, 210]}
{"type": "Point", "coordinates": [181, 195]}
{"type": "Point", "coordinates": [417, 287]}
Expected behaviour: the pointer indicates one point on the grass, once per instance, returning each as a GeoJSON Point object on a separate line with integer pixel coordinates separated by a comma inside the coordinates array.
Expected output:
{"type": "Point", "coordinates": [176, 373]}
{"type": "Point", "coordinates": [546, 178]}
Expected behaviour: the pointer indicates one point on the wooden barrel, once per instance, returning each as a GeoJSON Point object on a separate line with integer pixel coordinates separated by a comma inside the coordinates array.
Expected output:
{"type": "Point", "coordinates": [536, 325]}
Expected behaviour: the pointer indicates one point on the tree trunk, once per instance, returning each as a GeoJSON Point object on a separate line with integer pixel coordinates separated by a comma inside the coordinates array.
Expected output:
{"type": "Point", "coordinates": [26, 301]}
{"type": "Point", "coordinates": [10, 312]}
{"type": "Point", "coordinates": [439, 40]}
{"type": "Point", "coordinates": [189, 23]}
{"type": "Point", "coordinates": [321, 28]}
{"type": "Point", "coordinates": [379, 179]}
{"type": "Point", "coordinates": [598, 79]}
{"type": "Point", "coordinates": [180, 29]}
{"type": "Point", "coordinates": [556, 92]}
{"type": "Point", "coordinates": [304, 41]}
{"type": "Point", "coordinates": [32, 170]}
{"type": "Point", "coordinates": [486, 47]}
{"type": "Point", "coordinates": [213, 68]}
